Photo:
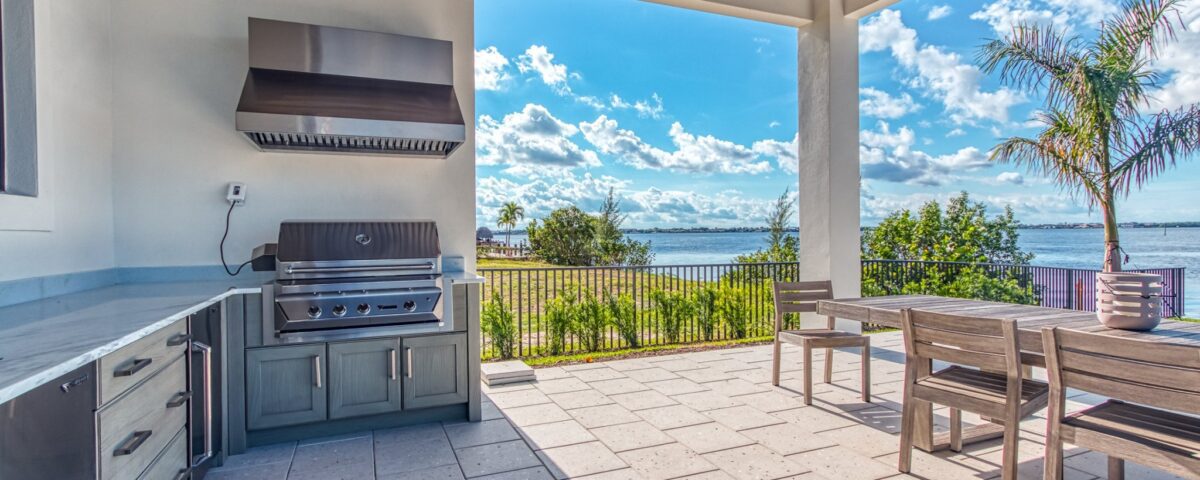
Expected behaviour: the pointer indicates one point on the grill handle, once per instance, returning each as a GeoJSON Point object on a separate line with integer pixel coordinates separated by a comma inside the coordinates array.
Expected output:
{"type": "Point", "coordinates": [374, 268]}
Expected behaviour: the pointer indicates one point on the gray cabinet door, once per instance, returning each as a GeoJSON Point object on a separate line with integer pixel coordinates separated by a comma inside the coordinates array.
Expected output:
{"type": "Point", "coordinates": [435, 370]}
{"type": "Point", "coordinates": [364, 377]}
{"type": "Point", "coordinates": [285, 385]}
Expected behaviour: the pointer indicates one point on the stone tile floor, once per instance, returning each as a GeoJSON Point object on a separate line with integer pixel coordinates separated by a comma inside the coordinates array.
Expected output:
{"type": "Point", "coordinates": [703, 415]}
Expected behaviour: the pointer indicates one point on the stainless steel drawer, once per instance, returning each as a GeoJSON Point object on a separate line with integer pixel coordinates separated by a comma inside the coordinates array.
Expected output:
{"type": "Point", "coordinates": [139, 425]}
{"type": "Point", "coordinates": [174, 463]}
{"type": "Point", "coordinates": [124, 368]}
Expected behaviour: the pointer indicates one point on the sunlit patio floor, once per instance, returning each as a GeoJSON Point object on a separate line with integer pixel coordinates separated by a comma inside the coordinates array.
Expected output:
{"type": "Point", "coordinates": [711, 414]}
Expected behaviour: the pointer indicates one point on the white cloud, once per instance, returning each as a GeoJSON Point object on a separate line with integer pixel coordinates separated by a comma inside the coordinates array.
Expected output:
{"type": "Point", "coordinates": [786, 154]}
{"type": "Point", "coordinates": [945, 75]}
{"type": "Point", "coordinates": [539, 60]}
{"type": "Point", "coordinates": [889, 156]}
{"type": "Point", "coordinates": [1064, 15]}
{"type": "Point", "coordinates": [692, 153]}
{"type": "Point", "coordinates": [591, 101]}
{"type": "Point", "coordinates": [652, 108]}
{"type": "Point", "coordinates": [1010, 177]}
{"type": "Point", "coordinates": [939, 12]}
{"type": "Point", "coordinates": [773, 124]}
{"type": "Point", "coordinates": [881, 104]}
{"type": "Point", "coordinates": [490, 67]}
{"type": "Point", "coordinates": [1181, 60]}
{"type": "Point", "coordinates": [1029, 209]}
{"type": "Point", "coordinates": [958, 132]}
{"type": "Point", "coordinates": [532, 136]}
{"type": "Point", "coordinates": [542, 192]}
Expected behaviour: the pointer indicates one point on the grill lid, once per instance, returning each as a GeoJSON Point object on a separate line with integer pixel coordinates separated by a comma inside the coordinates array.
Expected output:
{"type": "Point", "coordinates": [323, 241]}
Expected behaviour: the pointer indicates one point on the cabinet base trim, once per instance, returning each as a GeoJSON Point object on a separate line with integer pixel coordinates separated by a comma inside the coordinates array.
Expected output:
{"type": "Point", "coordinates": [357, 424]}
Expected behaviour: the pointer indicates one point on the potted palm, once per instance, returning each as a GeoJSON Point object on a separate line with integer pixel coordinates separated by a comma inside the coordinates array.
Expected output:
{"type": "Point", "coordinates": [1097, 138]}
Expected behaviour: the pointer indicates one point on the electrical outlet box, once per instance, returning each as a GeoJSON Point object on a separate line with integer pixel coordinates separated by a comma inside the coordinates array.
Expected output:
{"type": "Point", "coordinates": [236, 193]}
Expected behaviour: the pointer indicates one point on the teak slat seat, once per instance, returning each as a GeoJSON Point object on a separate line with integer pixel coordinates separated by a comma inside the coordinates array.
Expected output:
{"type": "Point", "coordinates": [802, 297]}
{"type": "Point", "coordinates": [1163, 380]}
{"type": "Point", "coordinates": [986, 379]}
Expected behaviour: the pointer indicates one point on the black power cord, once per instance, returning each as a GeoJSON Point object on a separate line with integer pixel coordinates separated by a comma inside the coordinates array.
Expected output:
{"type": "Point", "coordinates": [232, 273]}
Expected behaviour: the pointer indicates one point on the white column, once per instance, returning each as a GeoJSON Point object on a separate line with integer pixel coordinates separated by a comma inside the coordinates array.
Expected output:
{"type": "Point", "coordinates": [829, 164]}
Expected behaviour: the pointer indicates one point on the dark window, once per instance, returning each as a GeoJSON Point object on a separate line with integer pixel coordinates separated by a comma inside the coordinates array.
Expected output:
{"type": "Point", "coordinates": [18, 100]}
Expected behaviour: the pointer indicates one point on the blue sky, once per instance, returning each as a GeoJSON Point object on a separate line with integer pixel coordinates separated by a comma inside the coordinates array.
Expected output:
{"type": "Point", "coordinates": [691, 117]}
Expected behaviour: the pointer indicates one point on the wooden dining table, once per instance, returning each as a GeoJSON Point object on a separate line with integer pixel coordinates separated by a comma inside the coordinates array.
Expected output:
{"type": "Point", "coordinates": [885, 311]}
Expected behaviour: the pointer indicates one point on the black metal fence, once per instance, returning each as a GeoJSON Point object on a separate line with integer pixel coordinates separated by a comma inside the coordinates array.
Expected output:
{"type": "Point", "coordinates": [527, 293]}
{"type": "Point", "coordinates": [1070, 288]}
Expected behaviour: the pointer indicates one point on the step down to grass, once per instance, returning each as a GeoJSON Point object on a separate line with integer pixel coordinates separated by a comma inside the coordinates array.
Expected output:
{"type": "Point", "coordinates": [512, 371]}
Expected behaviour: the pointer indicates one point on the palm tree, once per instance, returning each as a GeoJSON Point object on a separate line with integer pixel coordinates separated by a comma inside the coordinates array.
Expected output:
{"type": "Point", "coordinates": [1096, 139]}
{"type": "Point", "coordinates": [510, 215]}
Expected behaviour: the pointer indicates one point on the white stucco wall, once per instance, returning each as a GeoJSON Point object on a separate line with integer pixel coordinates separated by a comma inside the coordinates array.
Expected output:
{"type": "Point", "coordinates": [69, 226]}
{"type": "Point", "coordinates": [178, 69]}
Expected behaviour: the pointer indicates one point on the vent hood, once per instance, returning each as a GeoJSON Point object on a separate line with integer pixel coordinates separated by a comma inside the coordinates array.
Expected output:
{"type": "Point", "coordinates": [323, 89]}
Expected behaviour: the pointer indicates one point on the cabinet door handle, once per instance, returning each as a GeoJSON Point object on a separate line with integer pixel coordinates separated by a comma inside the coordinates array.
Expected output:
{"type": "Point", "coordinates": [392, 363]}
{"type": "Point", "coordinates": [317, 369]}
{"type": "Point", "coordinates": [179, 399]}
{"type": "Point", "coordinates": [137, 365]}
{"type": "Point", "coordinates": [178, 339]}
{"type": "Point", "coordinates": [410, 368]}
{"type": "Point", "coordinates": [132, 443]}
{"type": "Point", "coordinates": [183, 474]}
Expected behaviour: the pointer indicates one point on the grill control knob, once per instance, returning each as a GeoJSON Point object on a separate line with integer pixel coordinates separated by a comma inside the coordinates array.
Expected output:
{"type": "Point", "coordinates": [410, 305]}
{"type": "Point", "coordinates": [339, 310]}
{"type": "Point", "coordinates": [364, 308]}
{"type": "Point", "coordinates": [314, 311]}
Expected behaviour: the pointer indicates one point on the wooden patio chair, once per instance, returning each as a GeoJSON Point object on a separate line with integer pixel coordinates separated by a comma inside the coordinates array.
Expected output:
{"type": "Point", "coordinates": [798, 297]}
{"type": "Point", "coordinates": [1160, 379]}
{"type": "Point", "coordinates": [985, 378]}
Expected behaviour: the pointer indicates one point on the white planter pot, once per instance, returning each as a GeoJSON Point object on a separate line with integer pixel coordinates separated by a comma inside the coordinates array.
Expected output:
{"type": "Point", "coordinates": [1129, 301]}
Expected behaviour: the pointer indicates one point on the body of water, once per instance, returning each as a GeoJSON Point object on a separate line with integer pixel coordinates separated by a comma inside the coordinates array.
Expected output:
{"type": "Point", "coordinates": [1147, 248]}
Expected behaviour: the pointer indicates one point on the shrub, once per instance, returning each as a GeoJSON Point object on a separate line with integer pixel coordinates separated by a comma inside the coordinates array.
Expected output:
{"type": "Point", "coordinates": [704, 302]}
{"type": "Point", "coordinates": [498, 325]}
{"type": "Point", "coordinates": [623, 315]}
{"type": "Point", "coordinates": [733, 308]}
{"type": "Point", "coordinates": [559, 314]}
{"type": "Point", "coordinates": [588, 323]}
{"type": "Point", "coordinates": [673, 310]}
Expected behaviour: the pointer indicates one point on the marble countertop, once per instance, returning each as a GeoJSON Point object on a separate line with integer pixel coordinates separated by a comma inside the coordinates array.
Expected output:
{"type": "Point", "coordinates": [44, 339]}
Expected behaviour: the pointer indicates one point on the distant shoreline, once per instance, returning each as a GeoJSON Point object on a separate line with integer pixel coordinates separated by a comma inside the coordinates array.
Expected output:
{"type": "Point", "coordinates": [1045, 226]}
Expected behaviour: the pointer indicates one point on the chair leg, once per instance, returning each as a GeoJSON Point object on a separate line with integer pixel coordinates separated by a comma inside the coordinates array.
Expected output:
{"type": "Point", "coordinates": [907, 424]}
{"type": "Point", "coordinates": [1054, 460]}
{"type": "Point", "coordinates": [1116, 468]}
{"type": "Point", "coordinates": [866, 372]}
{"type": "Point", "coordinates": [775, 363]}
{"type": "Point", "coordinates": [956, 430]}
{"type": "Point", "coordinates": [1012, 436]}
{"type": "Point", "coordinates": [828, 365]}
{"type": "Point", "coordinates": [807, 373]}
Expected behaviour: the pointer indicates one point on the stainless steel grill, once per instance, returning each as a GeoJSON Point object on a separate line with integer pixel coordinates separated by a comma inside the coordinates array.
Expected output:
{"type": "Point", "coordinates": [331, 276]}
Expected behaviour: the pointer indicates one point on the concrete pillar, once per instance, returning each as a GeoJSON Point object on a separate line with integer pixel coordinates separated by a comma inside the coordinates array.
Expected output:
{"type": "Point", "coordinates": [829, 163]}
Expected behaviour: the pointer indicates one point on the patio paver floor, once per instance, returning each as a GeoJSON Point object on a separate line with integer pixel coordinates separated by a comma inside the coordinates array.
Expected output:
{"type": "Point", "coordinates": [648, 418]}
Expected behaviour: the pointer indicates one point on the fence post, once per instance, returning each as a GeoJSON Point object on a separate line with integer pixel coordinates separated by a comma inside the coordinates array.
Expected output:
{"type": "Point", "coordinates": [1071, 289]}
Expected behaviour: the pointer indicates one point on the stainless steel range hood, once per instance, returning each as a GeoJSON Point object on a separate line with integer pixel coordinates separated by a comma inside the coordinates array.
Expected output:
{"type": "Point", "coordinates": [323, 89]}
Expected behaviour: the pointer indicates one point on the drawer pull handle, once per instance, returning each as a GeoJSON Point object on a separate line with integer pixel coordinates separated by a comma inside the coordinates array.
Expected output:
{"type": "Point", "coordinates": [132, 443]}
{"type": "Point", "coordinates": [183, 474]}
{"type": "Point", "coordinates": [179, 339]}
{"type": "Point", "coordinates": [410, 362]}
{"type": "Point", "coordinates": [137, 366]}
{"type": "Point", "coordinates": [179, 399]}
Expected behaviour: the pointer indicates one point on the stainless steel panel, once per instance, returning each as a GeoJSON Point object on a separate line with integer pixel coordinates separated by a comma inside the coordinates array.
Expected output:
{"type": "Point", "coordinates": [381, 241]}
{"type": "Point", "coordinates": [301, 47]}
{"type": "Point", "coordinates": [50, 431]}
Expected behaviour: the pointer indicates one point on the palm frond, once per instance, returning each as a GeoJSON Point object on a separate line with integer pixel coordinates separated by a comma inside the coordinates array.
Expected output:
{"type": "Point", "coordinates": [1168, 136]}
{"type": "Point", "coordinates": [1032, 57]}
{"type": "Point", "coordinates": [1046, 159]}
{"type": "Point", "coordinates": [1142, 28]}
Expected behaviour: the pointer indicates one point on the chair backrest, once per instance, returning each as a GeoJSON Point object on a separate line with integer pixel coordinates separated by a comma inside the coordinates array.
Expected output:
{"type": "Point", "coordinates": [799, 297]}
{"type": "Point", "coordinates": [986, 343]}
{"type": "Point", "coordinates": [1139, 371]}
